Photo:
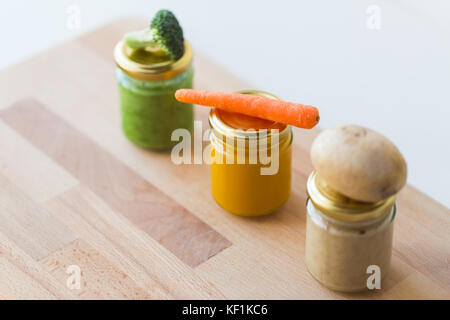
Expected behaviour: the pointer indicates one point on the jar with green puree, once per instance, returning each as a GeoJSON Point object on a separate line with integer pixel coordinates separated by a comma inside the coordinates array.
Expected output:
{"type": "Point", "coordinates": [147, 80]}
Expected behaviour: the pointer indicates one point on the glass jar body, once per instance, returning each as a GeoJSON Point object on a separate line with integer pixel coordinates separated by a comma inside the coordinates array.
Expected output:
{"type": "Point", "coordinates": [150, 112]}
{"type": "Point", "coordinates": [239, 185]}
{"type": "Point", "coordinates": [342, 255]}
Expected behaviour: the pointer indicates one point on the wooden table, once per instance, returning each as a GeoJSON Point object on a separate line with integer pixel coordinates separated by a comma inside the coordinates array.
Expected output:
{"type": "Point", "coordinates": [74, 191]}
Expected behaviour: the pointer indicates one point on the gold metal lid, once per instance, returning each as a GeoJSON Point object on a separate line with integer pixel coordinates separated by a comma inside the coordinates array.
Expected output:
{"type": "Point", "coordinates": [219, 123]}
{"type": "Point", "coordinates": [340, 207]}
{"type": "Point", "coordinates": [147, 64]}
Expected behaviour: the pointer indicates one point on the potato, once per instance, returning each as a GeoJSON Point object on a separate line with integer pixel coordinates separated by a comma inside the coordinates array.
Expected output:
{"type": "Point", "coordinates": [359, 163]}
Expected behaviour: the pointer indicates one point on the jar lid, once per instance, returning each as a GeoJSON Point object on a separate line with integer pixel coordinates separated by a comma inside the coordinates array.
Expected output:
{"type": "Point", "coordinates": [237, 125]}
{"type": "Point", "coordinates": [148, 64]}
{"type": "Point", "coordinates": [340, 207]}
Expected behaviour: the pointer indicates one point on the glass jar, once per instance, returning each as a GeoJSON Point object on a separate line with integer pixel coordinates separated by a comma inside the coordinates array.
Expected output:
{"type": "Point", "coordinates": [250, 162]}
{"type": "Point", "coordinates": [346, 238]}
{"type": "Point", "coordinates": [147, 83]}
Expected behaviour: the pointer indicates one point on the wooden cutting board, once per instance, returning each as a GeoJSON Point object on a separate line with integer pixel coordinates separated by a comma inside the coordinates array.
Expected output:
{"type": "Point", "coordinates": [75, 192]}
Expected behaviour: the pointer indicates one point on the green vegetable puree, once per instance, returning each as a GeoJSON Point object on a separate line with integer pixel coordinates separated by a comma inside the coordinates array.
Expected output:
{"type": "Point", "coordinates": [150, 112]}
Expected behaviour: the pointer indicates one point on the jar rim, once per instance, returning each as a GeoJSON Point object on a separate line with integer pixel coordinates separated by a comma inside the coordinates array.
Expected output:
{"type": "Point", "coordinates": [154, 71]}
{"type": "Point", "coordinates": [343, 208]}
{"type": "Point", "coordinates": [216, 122]}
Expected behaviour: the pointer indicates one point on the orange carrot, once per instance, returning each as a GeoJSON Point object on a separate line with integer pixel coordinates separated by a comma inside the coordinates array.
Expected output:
{"type": "Point", "coordinates": [299, 115]}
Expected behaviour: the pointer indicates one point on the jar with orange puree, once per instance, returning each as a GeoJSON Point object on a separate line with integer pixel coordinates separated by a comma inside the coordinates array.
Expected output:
{"type": "Point", "coordinates": [250, 161]}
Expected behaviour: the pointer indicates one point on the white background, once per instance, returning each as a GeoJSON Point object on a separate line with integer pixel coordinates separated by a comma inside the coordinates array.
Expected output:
{"type": "Point", "coordinates": [395, 80]}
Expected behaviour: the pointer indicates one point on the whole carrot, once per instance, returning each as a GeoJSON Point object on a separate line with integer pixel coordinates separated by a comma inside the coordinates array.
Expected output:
{"type": "Point", "coordinates": [299, 115]}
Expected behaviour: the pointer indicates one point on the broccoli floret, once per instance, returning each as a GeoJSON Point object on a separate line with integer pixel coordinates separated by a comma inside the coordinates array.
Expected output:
{"type": "Point", "coordinates": [164, 33]}
{"type": "Point", "coordinates": [168, 33]}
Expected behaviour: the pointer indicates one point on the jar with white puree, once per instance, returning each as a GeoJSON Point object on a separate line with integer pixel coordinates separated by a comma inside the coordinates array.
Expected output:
{"type": "Point", "coordinates": [346, 237]}
{"type": "Point", "coordinates": [351, 207]}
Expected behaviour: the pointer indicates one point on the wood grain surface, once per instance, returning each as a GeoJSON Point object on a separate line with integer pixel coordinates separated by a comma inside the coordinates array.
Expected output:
{"type": "Point", "coordinates": [171, 224]}
{"type": "Point", "coordinates": [74, 191]}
